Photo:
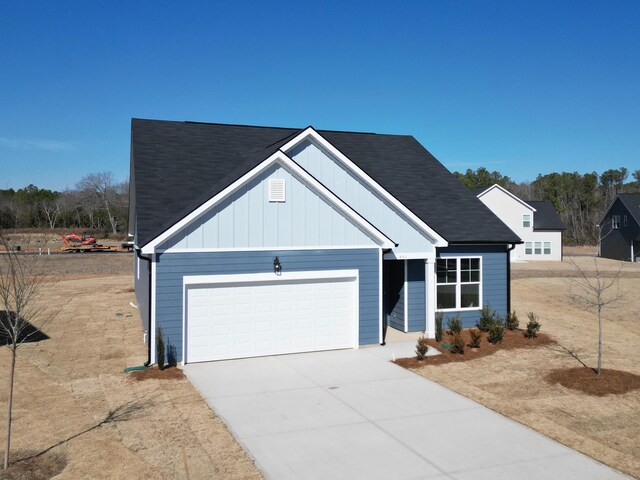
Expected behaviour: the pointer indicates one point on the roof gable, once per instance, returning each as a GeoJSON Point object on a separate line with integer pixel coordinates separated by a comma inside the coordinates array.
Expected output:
{"type": "Point", "coordinates": [546, 216]}
{"type": "Point", "coordinates": [497, 188]}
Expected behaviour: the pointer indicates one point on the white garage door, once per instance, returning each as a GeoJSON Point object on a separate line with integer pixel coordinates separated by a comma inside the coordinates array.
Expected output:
{"type": "Point", "coordinates": [253, 315]}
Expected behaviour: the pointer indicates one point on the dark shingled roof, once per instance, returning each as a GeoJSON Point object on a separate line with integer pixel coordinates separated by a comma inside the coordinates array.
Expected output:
{"type": "Point", "coordinates": [632, 202]}
{"type": "Point", "coordinates": [545, 217]}
{"type": "Point", "coordinates": [178, 166]}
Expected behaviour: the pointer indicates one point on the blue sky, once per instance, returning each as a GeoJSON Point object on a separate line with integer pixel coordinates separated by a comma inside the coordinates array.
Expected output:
{"type": "Point", "coordinates": [520, 87]}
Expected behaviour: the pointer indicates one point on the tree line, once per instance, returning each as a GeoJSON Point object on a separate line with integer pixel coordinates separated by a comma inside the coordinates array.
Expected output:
{"type": "Point", "coordinates": [98, 202]}
{"type": "Point", "coordinates": [580, 199]}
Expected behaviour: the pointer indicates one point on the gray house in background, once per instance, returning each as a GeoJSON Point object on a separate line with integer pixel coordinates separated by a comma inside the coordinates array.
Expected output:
{"type": "Point", "coordinates": [258, 241]}
{"type": "Point", "coordinates": [620, 229]}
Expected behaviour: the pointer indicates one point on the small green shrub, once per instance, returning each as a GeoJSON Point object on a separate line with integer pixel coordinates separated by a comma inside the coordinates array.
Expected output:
{"type": "Point", "coordinates": [475, 337]}
{"type": "Point", "coordinates": [422, 348]}
{"type": "Point", "coordinates": [456, 343]}
{"type": "Point", "coordinates": [160, 348]}
{"type": "Point", "coordinates": [533, 326]}
{"type": "Point", "coordinates": [487, 318]}
{"type": "Point", "coordinates": [496, 332]}
{"type": "Point", "coordinates": [512, 321]}
{"type": "Point", "coordinates": [454, 325]}
{"type": "Point", "coordinates": [438, 326]}
{"type": "Point", "coordinates": [172, 357]}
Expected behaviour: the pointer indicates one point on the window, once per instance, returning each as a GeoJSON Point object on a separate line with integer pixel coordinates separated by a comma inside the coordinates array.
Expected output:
{"type": "Point", "coordinates": [547, 248]}
{"type": "Point", "coordinates": [526, 221]}
{"type": "Point", "coordinates": [458, 283]}
{"type": "Point", "coordinates": [538, 248]}
{"type": "Point", "coordinates": [625, 221]}
{"type": "Point", "coordinates": [528, 248]}
{"type": "Point", "coordinates": [615, 222]}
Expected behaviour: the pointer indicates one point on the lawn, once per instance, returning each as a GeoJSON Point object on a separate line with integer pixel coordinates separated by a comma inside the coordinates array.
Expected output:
{"type": "Point", "coordinates": [73, 398]}
{"type": "Point", "coordinates": [514, 383]}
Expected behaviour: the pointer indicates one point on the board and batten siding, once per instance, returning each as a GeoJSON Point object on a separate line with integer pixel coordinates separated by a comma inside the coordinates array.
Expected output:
{"type": "Point", "coordinates": [172, 267]}
{"type": "Point", "coordinates": [494, 279]}
{"type": "Point", "coordinates": [247, 219]}
{"type": "Point", "coordinates": [337, 178]}
{"type": "Point", "coordinates": [617, 243]}
{"type": "Point", "coordinates": [417, 320]}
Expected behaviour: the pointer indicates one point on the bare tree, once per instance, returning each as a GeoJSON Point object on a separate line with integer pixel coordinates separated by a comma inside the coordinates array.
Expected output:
{"type": "Point", "coordinates": [103, 188]}
{"type": "Point", "coordinates": [21, 282]}
{"type": "Point", "coordinates": [595, 292]}
{"type": "Point", "coordinates": [51, 210]}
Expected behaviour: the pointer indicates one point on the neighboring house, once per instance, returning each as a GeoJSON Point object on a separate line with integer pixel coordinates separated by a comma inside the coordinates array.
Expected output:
{"type": "Point", "coordinates": [536, 222]}
{"type": "Point", "coordinates": [620, 228]}
{"type": "Point", "coordinates": [259, 241]}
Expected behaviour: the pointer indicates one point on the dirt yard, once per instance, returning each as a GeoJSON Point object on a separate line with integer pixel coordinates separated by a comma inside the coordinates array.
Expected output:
{"type": "Point", "coordinates": [72, 396]}
{"type": "Point", "coordinates": [514, 382]}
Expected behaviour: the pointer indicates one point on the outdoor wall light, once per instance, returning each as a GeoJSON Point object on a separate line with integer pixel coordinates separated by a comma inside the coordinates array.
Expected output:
{"type": "Point", "coordinates": [277, 267]}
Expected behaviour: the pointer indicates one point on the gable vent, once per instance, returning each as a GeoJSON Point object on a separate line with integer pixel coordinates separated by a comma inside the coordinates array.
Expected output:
{"type": "Point", "coordinates": [277, 190]}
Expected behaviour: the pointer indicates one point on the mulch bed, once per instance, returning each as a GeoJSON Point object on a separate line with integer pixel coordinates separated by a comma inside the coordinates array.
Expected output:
{"type": "Point", "coordinates": [154, 373]}
{"type": "Point", "coordinates": [584, 379]}
{"type": "Point", "coordinates": [512, 339]}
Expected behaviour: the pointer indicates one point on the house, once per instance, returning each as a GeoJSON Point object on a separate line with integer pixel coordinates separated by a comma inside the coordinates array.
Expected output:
{"type": "Point", "coordinates": [536, 222]}
{"type": "Point", "coordinates": [257, 241]}
{"type": "Point", "coordinates": [619, 229]}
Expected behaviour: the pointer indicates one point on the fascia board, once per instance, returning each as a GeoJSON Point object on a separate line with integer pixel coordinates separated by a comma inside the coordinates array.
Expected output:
{"type": "Point", "coordinates": [310, 133]}
{"type": "Point", "coordinates": [283, 159]}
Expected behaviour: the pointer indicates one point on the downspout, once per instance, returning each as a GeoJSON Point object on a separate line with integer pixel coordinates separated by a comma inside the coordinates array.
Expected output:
{"type": "Point", "coordinates": [149, 333]}
{"type": "Point", "coordinates": [513, 245]}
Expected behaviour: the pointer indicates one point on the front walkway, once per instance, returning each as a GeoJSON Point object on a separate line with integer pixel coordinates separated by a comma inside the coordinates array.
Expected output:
{"type": "Point", "coordinates": [352, 414]}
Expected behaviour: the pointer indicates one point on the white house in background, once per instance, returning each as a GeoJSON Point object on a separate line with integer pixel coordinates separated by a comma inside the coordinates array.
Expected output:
{"type": "Point", "coordinates": [536, 222]}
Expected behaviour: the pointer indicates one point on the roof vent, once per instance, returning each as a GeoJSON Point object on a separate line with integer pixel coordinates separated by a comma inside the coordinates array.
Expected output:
{"type": "Point", "coordinates": [276, 190]}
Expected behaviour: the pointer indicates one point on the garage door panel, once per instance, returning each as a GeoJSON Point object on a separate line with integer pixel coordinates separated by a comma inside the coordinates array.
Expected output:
{"type": "Point", "coordinates": [234, 320]}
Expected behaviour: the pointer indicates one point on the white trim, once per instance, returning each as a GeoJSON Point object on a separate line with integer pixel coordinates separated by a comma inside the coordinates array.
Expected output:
{"type": "Point", "coordinates": [459, 284]}
{"type": "Point", "coordinates": [309, 132]}
{"type": "Point", "coordinates": [239, 279]}
{"type": "Point", "coordinates": [282, 159]}
{"type": "Point", "coordinates": [380, 299]}
{"type": "Point", "coordinates": [406, 297]}
{"type": "Point", "coordinates": [152, 308]}
{"type": "Point", "coordinates": [392, 255]}
{"type": "Point", "coordinates": [266, 249]}
{"type": "Point", "coordinates": [519, 200]}
{"type": "Point", "coordinates": [430, 296]}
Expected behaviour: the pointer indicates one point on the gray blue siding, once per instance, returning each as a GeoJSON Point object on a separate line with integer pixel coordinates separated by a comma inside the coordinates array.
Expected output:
{"type": "Point", "coordinates": [172, 267]}
{"type": "Point", "coordinates": [416, 295]}
{"type": "Point", "coordinates": [494, 279]}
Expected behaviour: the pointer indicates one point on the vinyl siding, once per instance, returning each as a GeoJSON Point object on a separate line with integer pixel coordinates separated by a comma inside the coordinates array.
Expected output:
{"type": "Point", "coordinates": [416, 295]}
{"type": "Point", "coordinates": [172, 267]}
{"type": "Point", "coordinates": [494, 279]}
{"type": "Point", "coordinates": [247, 219]}
{"type": "Point", "coordinates": [141, 286]}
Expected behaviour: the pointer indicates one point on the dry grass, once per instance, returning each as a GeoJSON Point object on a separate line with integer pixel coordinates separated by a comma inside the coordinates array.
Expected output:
{"type": "Point", "coordinates": [73, 399]}
{"type": "Point", "coordinates": [29, 465]}
{"type": "Point", "coordinates": [515, 384]}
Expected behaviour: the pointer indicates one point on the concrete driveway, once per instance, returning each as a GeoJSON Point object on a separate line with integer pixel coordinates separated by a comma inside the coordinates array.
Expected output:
{"type": "Point", "coordinates": [352, 414]}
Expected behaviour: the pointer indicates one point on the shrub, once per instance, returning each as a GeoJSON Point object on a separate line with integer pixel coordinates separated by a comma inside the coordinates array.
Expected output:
{"type": "Point", "coordinates": [533, 326]}
{"type": "Point", "coordinates": [172, 357]}
{"type": "Point", "coordinates": [454, 325]}
{"type": "Point", "coordinates": [160, 348]}
{"type": "Point", "coordinates": [421, 348]}
{"type": "Point", "coordinates": [456, 343]}
{"type": "Point", "coordinates": [512, 321]}
{"type": "Point", "coordinates": [475, 336]}
{"type": "Point", "coordinates": [487, 318]}
{"type": "Point", "coordinates": [438, 326]}
{"type": "Point", "coordinates": [496, 332]}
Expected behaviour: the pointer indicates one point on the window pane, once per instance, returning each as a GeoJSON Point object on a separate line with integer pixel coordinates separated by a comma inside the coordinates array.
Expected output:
{"type": "Point", "coordinates": [527, 248]}
{"type": "Point", "coordinates": [538, 249]}
{"type": "Point", "coordinates": [526, 221]}
{"type": "Point", "coordinates": [469, 270]}
{"type": "Point", "coordinates": [547, 248]}
{"type": "Point", "coordinates": [446, 296]}
{"type": "Point", "coordinates": [446, 271]}
{"type": "Point", "coordinates": [469, 296]}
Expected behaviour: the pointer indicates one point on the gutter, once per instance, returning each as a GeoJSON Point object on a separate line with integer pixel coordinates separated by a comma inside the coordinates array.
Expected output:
{"type": "Point", "coordinates": [148, 259]}
{"type": "Point", "coordinates": [513, 245]}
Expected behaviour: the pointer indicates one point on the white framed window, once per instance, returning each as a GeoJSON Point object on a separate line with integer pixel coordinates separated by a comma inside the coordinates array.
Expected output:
{"type": "Point", "coordinates": [547, 248]}
{"type": "Point", "coordinates": [615, 222]}
{"type": "Point", "coordinates": [459, 283]}
{"type": "Point", "coordinates": [537, 248]}
{"type": "Point", "coordinates": [526, 220]}
{"type": "Point", "coordinates": [277, 190]}
{"type": "Point", "coordinates": [625, 221]}
{"type": "Point", "coordinates": [528, 248]}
